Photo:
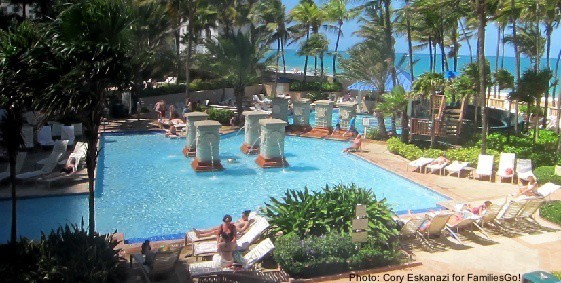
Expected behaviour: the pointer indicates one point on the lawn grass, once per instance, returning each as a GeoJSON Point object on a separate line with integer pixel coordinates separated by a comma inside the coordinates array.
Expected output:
{"type": "Point", "coordinates": [551, 211]}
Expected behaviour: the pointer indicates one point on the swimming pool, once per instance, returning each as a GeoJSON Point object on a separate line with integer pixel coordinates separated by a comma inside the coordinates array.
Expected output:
{"type": "Point", "coordinates": [147, 188]}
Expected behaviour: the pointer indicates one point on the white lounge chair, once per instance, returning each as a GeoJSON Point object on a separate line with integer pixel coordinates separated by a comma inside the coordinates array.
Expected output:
{"type": "Point", "coordinates": [67, 133]}
{"type": "Point", "coordinates": [419, 163]}
{"type": "Point", "coordinates": [79, 153]}
{"type": "Point", "coordinates": [59, 149]}
{"type": "Point", "coordinates": [44, 136]}
{"type": "Point", "coordinates": [216, 265]}
{"type": "Point", "coordinates": [490, 214]}
{"type": "Point", "coordinates": [27, 135]}
{"type": "Point", "coordinates": [547, 189]}
{"type": "Point", "coordinates": [485, 166]}
{"type": "Point", "coordinates": [456, 168]}
{"type": "Point", "coordinates": [191, 236]}
{"type": "Point", "coordinates": [78, 129]}
{"type": "Point", "coordinates": [56, 128]}
{"type": "Point", "coordinates": [529, 209]}
{"type": "Point", "coordinates": [20, 159]}
{"type": "Point", "coordinates": [506, 166]}
{"type": "Point", "coordinates": [524, 169]}
{"type": "Point", "coordinates": [47, 168]}
{"type": "Point", "coordinates": [438, 167]}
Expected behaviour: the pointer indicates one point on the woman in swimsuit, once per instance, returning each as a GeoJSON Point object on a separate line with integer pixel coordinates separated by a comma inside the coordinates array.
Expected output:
{"type": "Point", "coordinates": [226, 238]}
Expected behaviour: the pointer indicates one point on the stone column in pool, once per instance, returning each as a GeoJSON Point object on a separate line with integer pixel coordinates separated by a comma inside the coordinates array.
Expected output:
{"type": "Point", "coordinates": [271, 153]}
{"type": "Point", "coordinates": [207, 157]}
{"type": "Point", "coordinates": [301, 114]}
{"type": "Point", "coordinates": [280, 109]}
{"type": "Point", "coordinates": [347, 110]}
{"type": "Point", "coordinates": [324, 115]}
{"type": "Point", "coordinates": [191, 131]}
{"type": "Point", "coordinates": [252, 131]}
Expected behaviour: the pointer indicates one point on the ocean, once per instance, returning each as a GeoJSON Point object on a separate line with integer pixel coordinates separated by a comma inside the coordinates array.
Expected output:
{"type": "Point", "coordinates": [293, 61]}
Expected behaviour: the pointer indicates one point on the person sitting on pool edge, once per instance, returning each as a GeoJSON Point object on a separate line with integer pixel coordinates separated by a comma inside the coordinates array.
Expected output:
{"type": "Point", "coordinates": [357, 143]}
{"type": "Point", "coordinates": [242, 225]}
{"type": "Point", "coordinates": [172, 131]}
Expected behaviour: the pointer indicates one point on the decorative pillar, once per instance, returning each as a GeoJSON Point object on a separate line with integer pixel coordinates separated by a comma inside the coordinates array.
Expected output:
{"type": "Point", "coordinates": [271, 153]}
{"type": "Point", "coordinates": [324, 115]}
{"type": "Point", "coordinates": [347, 110]}
{"type": "Point", "coordinates": [302, 112]}
{"type": "Point", "coordinates": [252, 131]}
{"type": "Point", "coordinates": [207, 154]}
{"type": "Point", "coordinates": [280, 109]}
{"type": "Point", "coordinates": [191, 132]}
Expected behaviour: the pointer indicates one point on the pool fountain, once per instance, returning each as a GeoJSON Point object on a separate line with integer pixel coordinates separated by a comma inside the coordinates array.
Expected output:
{"type": "Point", "coordinates": [301, 115]}
{"type": "Point", "coordinates": [271, 153]}
{"type": "Point", "coordinates": [252, 131]}
{"type": "Point", "coordinates": [347, 110]}
{"type": "Point", "coordinates": [191, 131]}
{"type": "Point", "coordinates": [280, 109]}
{"type": "Point", "coordinates": [207, 156]}
{"type": "Point", "coordinates": [323, 126]}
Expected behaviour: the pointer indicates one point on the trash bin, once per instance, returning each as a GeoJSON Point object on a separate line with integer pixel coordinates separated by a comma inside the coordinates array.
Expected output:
{"type": "Point", "coordinates": [540, 276]}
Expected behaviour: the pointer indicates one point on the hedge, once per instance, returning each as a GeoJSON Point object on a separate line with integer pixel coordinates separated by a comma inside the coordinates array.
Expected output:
{"type": "Point", "coordinates": [546, 174]}
{"type": "Point", "coordinates": [311, 86]}
{"type": "Point", "coordinates": [551, 211]}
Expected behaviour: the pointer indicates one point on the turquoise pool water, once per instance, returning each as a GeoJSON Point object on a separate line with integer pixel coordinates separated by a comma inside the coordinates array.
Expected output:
{"type": "Point", "coordinates": [146, 187]}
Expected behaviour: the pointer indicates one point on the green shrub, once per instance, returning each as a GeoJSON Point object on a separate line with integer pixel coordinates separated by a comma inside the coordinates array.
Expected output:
{"type": "Point", "coordinates": [524, 147]}
{"type": "Point", "coordinates": [221, 115]}
{"type": "Point", "coordinates": [329, 210]}
{"type": "Point", "coordinates": [317, 95]}
{"type": "Point", "coordinates": [369, 257]}
{"type": "Point", "coordinates": [546, 174]}
{"type": "Point", "coordinates": [332, 253]}
{"type": "Point", "coordinates": [557, 274]}
{"type": "Point", "coordinates": [68, 254]}
{"type": "Point", "coordinates": [199, 84]}
{"type": "Point", "coordinates": [551, 211]}
{"type": "Point", "coordinates": [312, 86]}
{"type": "Point", "coordinates": [373, 134]}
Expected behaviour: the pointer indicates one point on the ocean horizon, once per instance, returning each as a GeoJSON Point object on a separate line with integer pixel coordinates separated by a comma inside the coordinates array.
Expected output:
{"type": "Point", "coordinates": [294, 62]}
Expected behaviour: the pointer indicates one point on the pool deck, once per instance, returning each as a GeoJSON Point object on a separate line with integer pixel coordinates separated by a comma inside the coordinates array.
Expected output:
{"type": "Point", "coordinates": [514, 253]}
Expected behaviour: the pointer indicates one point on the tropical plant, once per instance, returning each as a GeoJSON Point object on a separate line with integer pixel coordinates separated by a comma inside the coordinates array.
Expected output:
{"type": "Point", "coordinates": [503, 79]}
{"type": "Point", "coordinates": [22, 77]}
{"type": "Point", "coordinates": [92, 54]}
{"type": "Point", "coordinates": [67, 254]}
{"type": "Point", "coordinates": [395, 104]}
{"type": "Point", "coordinates": [337, 12]}
{"type": "Point", "coordinates": [234, 59]}
{"type": "Point", "coordinates": [552, 212]}
{"type": "Point", "coordinates": [331, 209]}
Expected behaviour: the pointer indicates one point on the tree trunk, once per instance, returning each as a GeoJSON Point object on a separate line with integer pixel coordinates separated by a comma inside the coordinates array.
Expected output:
{"type": "Point", "coordinates": [404, 126]}
{"type": "Point", "coordinates": [430, 53]}
{"type": "Point", "coordinates": [503, 47]}
{"type": "Point", "coordinates": [498, 53]}
{"type": "Point", "coordinates": [381, 124]}
{"type": "Point", "coordinates": [410, 48]}
{"type": "Point", "coordinates": [321, 64]}
{"type": "Point", "coordinates": [13, 232]}
{"type": "Point", "coordinates": [274, 90]}
{"type": "Point", "coordinates": [190, 29]}
{"type": "Point", "coordinates": [336, 49]}
{"type": "Point", "coordinates": [389, 41]}
{"type": "Point", "coordinates": [283, 58]}
{"type": "Point", "coordinates": [557, 104]}
{"type": "Point", "coordinates": [91, 132]}
{"type": "Point", "coordinates": [456, 47]}
{"type": "Point", "coordinates": [548, 31]}
{"type": "Point", "coordinates": [305, 68]}
{"type": "Point", "coordinates": [239, 94]}
{"type": "Point", "coordinates": [481, 58]}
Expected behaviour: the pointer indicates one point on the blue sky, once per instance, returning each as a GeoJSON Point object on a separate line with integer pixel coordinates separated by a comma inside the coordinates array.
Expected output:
{"type": "Point", "coordinates": [401, 43]}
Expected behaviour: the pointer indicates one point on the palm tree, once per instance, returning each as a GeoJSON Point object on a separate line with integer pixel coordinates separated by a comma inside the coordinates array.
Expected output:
{"type": "Point", "coordinates": [271, 17]}
{"type": "Point", "coordinates": [482, 22]}
{"type": "Point", "coordinates": [394, 104]}
{"type": "Point", "coordinates": [337, 12]}
{"type": "Point", "coordinates": [309, 18]}
{"type": "Point", "coordinates": [235, 59]}
{"type": "Point", "coordinates": [21, 50]}
{"type": "Point", "coordinates": [93, 56]}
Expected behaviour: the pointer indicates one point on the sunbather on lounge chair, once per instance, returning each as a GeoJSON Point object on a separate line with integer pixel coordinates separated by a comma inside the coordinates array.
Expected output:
{"type": "Point", "coordinates": [530, 188]}
{"type": "Point", "coordinates": [241, 224]}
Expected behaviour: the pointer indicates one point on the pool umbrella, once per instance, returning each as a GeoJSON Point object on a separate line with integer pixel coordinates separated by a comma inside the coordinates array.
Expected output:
{"type": "Point", "coordinates": [450, 75]}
